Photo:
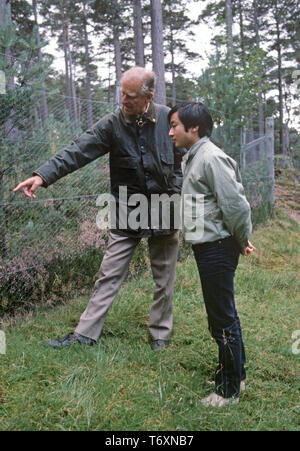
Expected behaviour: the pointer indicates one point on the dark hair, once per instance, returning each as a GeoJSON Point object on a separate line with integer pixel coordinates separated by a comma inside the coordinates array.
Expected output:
{"type": "Point", "coordinates": [192, 114]}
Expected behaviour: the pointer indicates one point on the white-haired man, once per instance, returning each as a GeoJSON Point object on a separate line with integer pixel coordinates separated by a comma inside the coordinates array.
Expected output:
{"type": "Point", "coordinates": [143, 162]}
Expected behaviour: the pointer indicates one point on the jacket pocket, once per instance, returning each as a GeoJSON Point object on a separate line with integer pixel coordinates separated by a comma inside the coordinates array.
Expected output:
{"type": "Point", "coordinates": [123, 162]}
{"type": "Point", "coordinates": [123, 171]}
{"type": "Point", "coordinates": [167, 165]}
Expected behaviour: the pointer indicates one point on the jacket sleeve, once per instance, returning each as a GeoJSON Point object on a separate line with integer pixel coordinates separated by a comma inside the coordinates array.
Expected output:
{"type": "Point", "coordinates": [225, 182]}
{"type": "Point", "coordinates": [86, 148]}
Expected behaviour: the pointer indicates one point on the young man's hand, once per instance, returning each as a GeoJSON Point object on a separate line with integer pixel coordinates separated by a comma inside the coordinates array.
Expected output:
{"type": "Point", "coordinates": [30, 185]}
{"type": "Point", "coordinates": [249, 249]}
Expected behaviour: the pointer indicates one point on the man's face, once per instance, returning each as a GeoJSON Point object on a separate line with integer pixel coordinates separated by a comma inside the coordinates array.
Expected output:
{"type": "Point", "coordinates": [132, 100]}
{"type": "Point", "coordinates": [181, 137]}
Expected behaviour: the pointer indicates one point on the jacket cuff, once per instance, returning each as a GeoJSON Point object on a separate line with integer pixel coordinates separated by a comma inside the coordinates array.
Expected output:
{"type": "Point", "coordinates": [45, 184]}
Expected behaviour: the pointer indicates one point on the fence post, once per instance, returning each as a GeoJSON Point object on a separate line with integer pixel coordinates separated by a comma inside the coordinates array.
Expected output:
{"type": "Point", "coordinates": [242, 150]}
{"type": "Point", "coordinates": [269, 154]}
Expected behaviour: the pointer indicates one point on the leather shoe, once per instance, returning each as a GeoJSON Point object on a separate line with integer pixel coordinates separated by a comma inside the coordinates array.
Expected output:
{"type": "Point", "coordinates": [70, 339]}
{"type": "Point", "coordinates": [159, 344]}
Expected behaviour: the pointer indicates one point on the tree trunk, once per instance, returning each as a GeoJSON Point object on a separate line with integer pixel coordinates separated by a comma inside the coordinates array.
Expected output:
{"type": "Point", "coordinates": [118, 64]}
{"type": "Point", "coordinates": [44, 108]}
{"type": "Point", "coordinates": [5, 18]}
{"type": "Point", "coordinates": [138, 34]}
{"type": "Point", "coordinates": [173, 69]}
{"type": "Point", "coordinates": [270, 157]}
{"type": "Point", "coordinates": [8, 79]}
{"type": "Point", "coordinates": [68, 87]}
{"type": "Point", "coordinates": [228, 14]}
{"type": "Point", "coordinates": [118, 58]}
{"type": "Point", "coordinates": [279, 71]}
{"type": "Point", "coordinates": [11, 131]}
{"type": "Point", "coordinates": [242, 36]}
{"type": "Point", "coordinates": [2, 12]}
{"type": "Point", "coordinates": [261, 119]}
{"type": "Point", "coordinates": [72, 81]}
{"type": "Point", "coordinates": [158, 51]}
{"type": "Point", "coordinates": [87, 69]}
{"type": "Point", "coordinates": [109, 77]}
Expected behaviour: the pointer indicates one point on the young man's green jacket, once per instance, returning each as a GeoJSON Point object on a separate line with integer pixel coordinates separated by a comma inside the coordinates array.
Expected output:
{"type": "Point", "coordinates": [214, 201]}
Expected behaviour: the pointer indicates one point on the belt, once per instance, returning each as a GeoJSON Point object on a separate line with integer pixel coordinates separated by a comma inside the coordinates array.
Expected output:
{"type": "Point", "coordinates": [208, 244]}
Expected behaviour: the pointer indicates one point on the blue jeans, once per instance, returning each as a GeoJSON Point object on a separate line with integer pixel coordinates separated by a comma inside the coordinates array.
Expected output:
{"type": "Point", "coordinates": [217, 263]}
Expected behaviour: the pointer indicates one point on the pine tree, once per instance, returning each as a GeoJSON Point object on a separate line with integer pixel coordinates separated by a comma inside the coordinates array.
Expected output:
{"type": "Point", "coordinates": [281, 32]}
{"type": "Point", "coordinates": [44, 106]}
{"type": "Point", "coordinates": [58, 16]}
{"type": "Point", "coordinates": [177, 30]}
{"type": "Point", "coordinates": [111, 13]}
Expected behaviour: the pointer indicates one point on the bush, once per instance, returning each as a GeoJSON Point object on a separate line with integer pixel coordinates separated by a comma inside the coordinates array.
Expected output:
{"type": "Point", "coordinates": [23, 288]}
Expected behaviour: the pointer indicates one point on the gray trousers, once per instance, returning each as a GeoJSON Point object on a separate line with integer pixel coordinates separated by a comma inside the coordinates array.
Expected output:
{"type": "Point", "coordinates": [163, 251]}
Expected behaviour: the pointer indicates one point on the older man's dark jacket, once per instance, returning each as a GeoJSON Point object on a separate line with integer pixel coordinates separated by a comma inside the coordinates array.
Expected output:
{"type": "Point", "coordinates": [141, 158]}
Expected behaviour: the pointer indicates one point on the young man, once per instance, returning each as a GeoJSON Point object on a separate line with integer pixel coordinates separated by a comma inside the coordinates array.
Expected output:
{"type": "Point", "coordinates": [217, 238]}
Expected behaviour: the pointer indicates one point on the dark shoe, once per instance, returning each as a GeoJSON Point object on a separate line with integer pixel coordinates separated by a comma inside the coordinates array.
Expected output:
{"type": "Point", "coordinates": [159, 344]}
{"type": "Point", "coordinates": [70, 339]}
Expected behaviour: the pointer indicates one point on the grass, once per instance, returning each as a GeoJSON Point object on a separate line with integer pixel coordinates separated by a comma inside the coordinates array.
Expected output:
{"type": "Point", "coordinates": [120, 384]}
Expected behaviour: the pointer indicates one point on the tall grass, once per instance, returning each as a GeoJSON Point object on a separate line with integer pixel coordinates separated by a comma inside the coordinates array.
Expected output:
{"type": "Point", "coordinates": [120, 384]}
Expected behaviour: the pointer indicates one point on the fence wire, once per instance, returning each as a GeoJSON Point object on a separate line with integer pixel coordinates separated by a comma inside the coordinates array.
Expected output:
{"type": "Point", "coordinates": [47, 243]}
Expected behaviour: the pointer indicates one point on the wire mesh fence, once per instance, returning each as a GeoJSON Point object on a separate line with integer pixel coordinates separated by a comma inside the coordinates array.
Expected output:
{"type": "Point", "coordinates": [254, 152]}
{"type": "Point", "coordinates": [51, 245]}
{"type": "Point", "coordinates": [43, 242]}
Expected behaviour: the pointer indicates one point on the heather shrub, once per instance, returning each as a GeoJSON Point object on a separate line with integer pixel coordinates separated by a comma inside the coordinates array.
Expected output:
{"type": "Point", "coordinates": [52, 267]}
{"type": "Point", "coordinates": [49, 267]}
{"type": "Point", "coordinates": [28, 282]}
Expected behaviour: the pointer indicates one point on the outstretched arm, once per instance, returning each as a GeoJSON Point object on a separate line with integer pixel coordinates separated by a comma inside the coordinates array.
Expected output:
{"type": "Point", "coordinates": [86, 148]}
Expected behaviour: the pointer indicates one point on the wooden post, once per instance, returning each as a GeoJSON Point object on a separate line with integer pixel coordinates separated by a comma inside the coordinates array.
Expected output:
{"type": "Point", "coordinates": [269, 155]}
{"type": "Point", "coordinates": [242, 149]}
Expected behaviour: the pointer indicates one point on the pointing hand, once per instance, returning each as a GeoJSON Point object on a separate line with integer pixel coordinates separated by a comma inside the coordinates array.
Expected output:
{"type": "Point", "coordinates": [30, 185]}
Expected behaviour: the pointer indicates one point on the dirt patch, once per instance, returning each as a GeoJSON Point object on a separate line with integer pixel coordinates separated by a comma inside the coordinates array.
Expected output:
{"type": "Point", "coordinates": [288, 199]}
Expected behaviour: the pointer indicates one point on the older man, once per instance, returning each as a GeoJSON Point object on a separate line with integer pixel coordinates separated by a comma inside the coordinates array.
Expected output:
{"type": "Point", "coordinates": [142, 162]}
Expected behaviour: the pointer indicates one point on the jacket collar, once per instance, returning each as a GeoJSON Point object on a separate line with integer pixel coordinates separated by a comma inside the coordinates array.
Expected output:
{"type": "Point", "coordinates": [195, 148]}
{"type": "Point", "coordinates": [149, 116]}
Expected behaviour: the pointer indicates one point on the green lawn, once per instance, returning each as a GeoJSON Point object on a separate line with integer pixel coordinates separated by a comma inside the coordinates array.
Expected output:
{"type": "Point", "coordinates": [120, 384]}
